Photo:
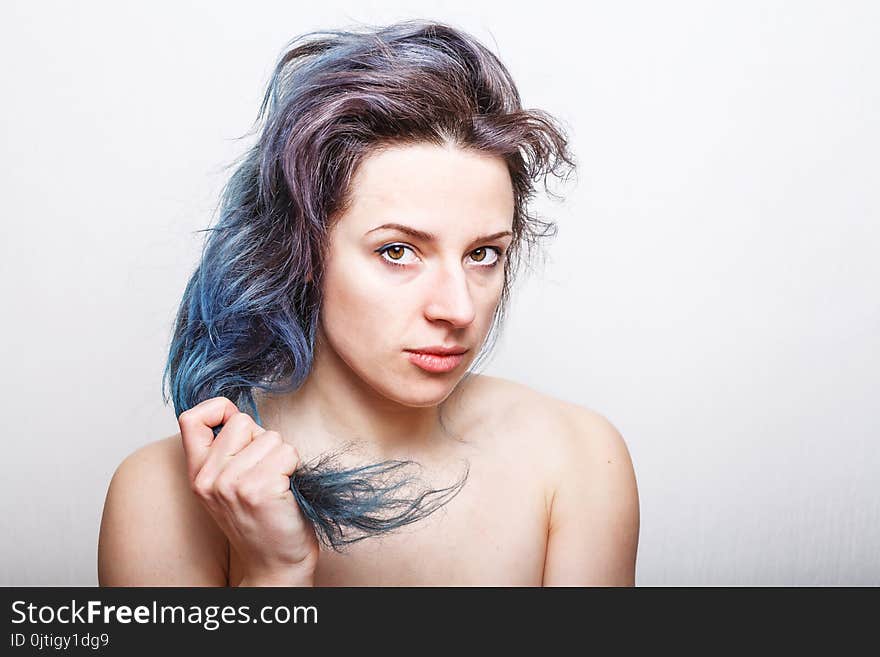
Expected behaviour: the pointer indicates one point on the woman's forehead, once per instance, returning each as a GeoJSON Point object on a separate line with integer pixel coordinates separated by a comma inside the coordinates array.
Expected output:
{"type": "Point", "coordinates": [429, 187]}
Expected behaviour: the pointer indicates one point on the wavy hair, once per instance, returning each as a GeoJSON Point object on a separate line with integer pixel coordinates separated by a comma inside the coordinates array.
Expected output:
{"type": "Point", "coordinates": [249, 313]}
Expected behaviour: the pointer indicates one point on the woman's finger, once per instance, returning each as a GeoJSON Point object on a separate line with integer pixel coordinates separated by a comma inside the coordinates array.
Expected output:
{"type": "Point", "coordinates": [273, 471]}
{"type": "Point", "coordinates": [247, 458]}
{"type": "Point", "coordinates": [196, 430]}
{"type": "Point", "coordinates": [239, 431]}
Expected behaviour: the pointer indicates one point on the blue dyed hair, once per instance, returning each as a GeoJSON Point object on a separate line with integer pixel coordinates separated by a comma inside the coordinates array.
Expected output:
{"type": "Point", "coordinates": [249, 313]}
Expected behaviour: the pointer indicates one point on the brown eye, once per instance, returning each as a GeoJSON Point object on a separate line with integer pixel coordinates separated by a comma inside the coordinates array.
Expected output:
{"type": "Point", "coordinates": [479, 256]}
{"type": "Point", "coordinates": [396, 254]}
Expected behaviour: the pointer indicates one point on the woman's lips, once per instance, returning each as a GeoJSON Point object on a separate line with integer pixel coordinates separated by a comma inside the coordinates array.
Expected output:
{"type": "Point", "coordinates": [433, 362]}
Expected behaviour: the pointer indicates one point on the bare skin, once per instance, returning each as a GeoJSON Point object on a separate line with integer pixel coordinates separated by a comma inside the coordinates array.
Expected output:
{"type": "Point", "coordinates": [414, 262]}
{"type": "Point", "coordinates": [509, 526]}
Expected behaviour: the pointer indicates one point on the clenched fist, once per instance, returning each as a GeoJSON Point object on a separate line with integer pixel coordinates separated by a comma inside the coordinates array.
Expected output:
{"type": "Point", "coordinates": [242, 477]}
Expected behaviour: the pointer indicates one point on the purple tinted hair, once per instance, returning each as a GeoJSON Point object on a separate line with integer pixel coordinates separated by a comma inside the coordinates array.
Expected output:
{"type": "Point", "coordinates": [249, 313]}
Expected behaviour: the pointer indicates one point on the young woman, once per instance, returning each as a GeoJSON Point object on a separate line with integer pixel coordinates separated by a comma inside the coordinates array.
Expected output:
{"type": "Point", "coordinates": [363, 257]}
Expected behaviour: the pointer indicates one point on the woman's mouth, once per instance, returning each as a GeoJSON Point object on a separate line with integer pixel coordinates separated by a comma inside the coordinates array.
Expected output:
{"type": "Point", "coordinates": [434, 362]}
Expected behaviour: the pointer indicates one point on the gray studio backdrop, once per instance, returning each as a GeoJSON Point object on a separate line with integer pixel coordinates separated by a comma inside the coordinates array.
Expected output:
{"type": "Point", "coordinates": [713, 289]}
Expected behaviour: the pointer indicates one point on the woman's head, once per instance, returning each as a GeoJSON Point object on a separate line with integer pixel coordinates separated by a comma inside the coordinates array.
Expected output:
{"type": "Point", "coordinates": [415, 124]}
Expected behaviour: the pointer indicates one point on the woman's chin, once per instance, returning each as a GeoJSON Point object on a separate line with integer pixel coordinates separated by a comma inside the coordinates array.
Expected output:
{"type": "Point", "coordinates": [412, 386]}
{"type": "Point", "coordinates": [420, 393]}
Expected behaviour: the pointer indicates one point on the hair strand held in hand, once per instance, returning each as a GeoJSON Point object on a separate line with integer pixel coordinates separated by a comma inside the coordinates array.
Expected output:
{"type": "Point", "coordinates": [349, 505]}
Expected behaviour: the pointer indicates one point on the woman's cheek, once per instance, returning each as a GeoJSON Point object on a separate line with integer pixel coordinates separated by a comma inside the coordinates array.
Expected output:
{"type": "Point", "coordinates": [488, 298]}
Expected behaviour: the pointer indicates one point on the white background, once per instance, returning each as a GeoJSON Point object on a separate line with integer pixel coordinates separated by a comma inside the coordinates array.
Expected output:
{"type": "Point", "coordinates": [713, 289]}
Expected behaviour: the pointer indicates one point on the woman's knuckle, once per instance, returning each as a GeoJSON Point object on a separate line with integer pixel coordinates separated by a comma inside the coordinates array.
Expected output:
{"type": "Point", "coordinates": [201, 486]}
{"type": "Point", "coordinates": [225, 487]}
{"type": "Point", "coordinates": [250, 494]}
{"type": "Point", "coordinates": [238, 421]}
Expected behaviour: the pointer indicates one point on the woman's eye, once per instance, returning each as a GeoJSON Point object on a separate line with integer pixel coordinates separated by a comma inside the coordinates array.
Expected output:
{"type": "Point", "coordinates": [395, 254]}
{"type": "Point", "coordinates": [486, 256]}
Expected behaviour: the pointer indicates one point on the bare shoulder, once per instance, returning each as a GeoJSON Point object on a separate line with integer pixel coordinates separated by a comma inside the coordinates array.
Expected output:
{"type": "Point", "coordinates": [593, 522]}
{"type": "Point", "coordinates": [154, 531]}
{"type": "Point", "coordinates": [565, 429]}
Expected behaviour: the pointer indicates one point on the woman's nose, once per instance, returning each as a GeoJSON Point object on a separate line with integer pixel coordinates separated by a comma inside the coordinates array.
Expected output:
{"type": "Point", "coordinates": [449, 298]}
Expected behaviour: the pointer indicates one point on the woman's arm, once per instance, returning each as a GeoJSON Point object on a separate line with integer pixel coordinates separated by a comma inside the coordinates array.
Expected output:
{"type": "Point", "coordinates": [594, 512]}
{"type": "Point", "coordinates": [153, 531]}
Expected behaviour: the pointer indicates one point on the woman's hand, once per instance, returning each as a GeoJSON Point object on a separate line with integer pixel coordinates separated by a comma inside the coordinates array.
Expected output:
{"type": "Point", "coordinates": [242, 477]}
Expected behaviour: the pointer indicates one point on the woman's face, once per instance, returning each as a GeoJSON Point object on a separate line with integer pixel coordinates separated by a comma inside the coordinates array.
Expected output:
{"type": "Point", "coordinates": [417, 262]}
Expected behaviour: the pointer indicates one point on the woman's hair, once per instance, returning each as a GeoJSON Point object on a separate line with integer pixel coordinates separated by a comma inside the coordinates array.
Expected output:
{"type": "Point", "coordinates": [249, 314]}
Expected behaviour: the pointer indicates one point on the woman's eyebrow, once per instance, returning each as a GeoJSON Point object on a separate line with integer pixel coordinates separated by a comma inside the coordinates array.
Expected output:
{"type": "Point", "coordinates": [430, 237]}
